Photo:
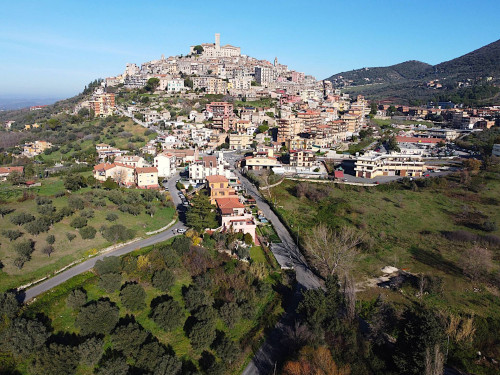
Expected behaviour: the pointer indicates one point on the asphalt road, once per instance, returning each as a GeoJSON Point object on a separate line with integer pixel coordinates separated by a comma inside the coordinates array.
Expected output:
{"type": "Point", "coordinates": [60, 278]}
{"type": "Point", "coordinates": [273, 350]}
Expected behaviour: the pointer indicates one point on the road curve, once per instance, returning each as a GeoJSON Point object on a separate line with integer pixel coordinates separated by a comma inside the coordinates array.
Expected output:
{"type": "Point", "coordinates": [60, 278]}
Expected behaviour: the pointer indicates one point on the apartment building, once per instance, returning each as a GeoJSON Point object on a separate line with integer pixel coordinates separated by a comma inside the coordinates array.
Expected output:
{"type": "Point", "coordinates": [218, 187]}
{"type": "Point", "coordinates": [208, 166]}
{"type": "Point", "coordinates": [240, 141]}
{"type": "Point", "coordinates": [302, 158]}
{"type": "Point", "coordinates": [146, 178]}
{"type": "Point", "coordinates": [103, 104]}
{"type": "Point", "coordinates": [288, 128]}
{"type": "Point", "coordinates": [372, 165]}
{"type": "Point", "coordinates": [165, 164]}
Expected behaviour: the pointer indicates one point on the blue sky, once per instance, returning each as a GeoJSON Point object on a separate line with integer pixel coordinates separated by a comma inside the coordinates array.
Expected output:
{"type": "Point", "coordinates": [53, 48]}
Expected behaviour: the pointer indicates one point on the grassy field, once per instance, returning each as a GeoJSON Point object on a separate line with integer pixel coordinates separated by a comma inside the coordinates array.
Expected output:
{"type": "Point", "coordinates": [65, 252]}
{"type": "Point", "coordinates": [406, 229]}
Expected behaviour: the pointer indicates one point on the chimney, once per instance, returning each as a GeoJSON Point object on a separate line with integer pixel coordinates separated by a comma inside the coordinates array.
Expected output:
{"type": "Point", "coordinates": [217, 40]}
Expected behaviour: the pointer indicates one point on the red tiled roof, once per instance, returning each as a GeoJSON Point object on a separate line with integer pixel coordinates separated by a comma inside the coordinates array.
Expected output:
{"type": "Point", "coordinates": [417, 140]}
{"type": "Point", "coordinates": [229, 203]}
{"type": "Point", "coordinates": [11, 169]}
{"type": "Point", "coordinates": [216, 178]}
{"type": "Point", "coordinates": [339, 174]}
{"type": "Point", "coordinates": [146, 170]}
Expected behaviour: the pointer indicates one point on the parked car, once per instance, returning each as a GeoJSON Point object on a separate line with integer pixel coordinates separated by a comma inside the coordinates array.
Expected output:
{"type": "Point", "coordinates": [181, 230]}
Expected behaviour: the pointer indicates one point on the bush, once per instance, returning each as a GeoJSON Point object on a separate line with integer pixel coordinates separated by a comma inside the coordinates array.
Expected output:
{"type": "Point", "coordinates": [70, 236]}
{"type": "Point", "coordinates": [131, 209]}
{"type": "Point", "coordinates": [490, 226]}
{"type": "Point", "coordinates": [74, 182]}
{"type": "Point", "coordinates": [110, 282]}
{"type": "Point", "coordinates": [76, 299]}
{"type": "Point", "coordinates": [116, 197]}
{"type": "Point", "coordinates": [45, 209]}
{"type": "Point", "coordinates": [111, 216]}
{"type": "Point", "coordinates": [89, 214]}
{"type": "Point", "coordinates": [78, 222]}
{"type": "Point", "coordinates": [98, 317]}
{"type": "Point", "coordinates": [88, 233]}
{"type": "Point", "coordinates": [48, 250]}
{"type": "Point", "coordinates": [133, 296]}
{"type": "Point", "coordinates": [67, 211]}
{"type": "Point", "coordinates": [202, 334]}
{"type": "Point", "coordinates": [168, 314]}
{"type": "Point", "coordinates": [43, 200]}
{"type": "Point", "coordinates": [21, 218]}
{"type": "Point", "coordinates": [12, 235]}
{"type": "Point", "coordinates": [163, 280]}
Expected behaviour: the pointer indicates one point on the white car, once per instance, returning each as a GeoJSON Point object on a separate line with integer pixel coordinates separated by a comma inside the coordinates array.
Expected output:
{"type": "Point", "coordinates": [181, 230]}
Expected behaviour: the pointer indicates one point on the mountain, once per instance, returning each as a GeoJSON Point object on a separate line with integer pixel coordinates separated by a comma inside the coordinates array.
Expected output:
{"type": "Point", "coordinates": [472, 78]}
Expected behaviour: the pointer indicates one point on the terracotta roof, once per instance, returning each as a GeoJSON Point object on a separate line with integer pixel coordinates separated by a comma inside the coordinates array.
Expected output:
{"type": "Point", "coordinates": [209, 161]}
{"type": "Point", "coordinates": [104, 166]}
{"type": "Point", "coordinates": [229, 203]}
{"type": "Point", "coordinates": [216, 178]}
{"type": "Point", "coordinates": [11, 169]}
{"type": "Point", "coordinates": [339, 174]}
{"type": "Point", "coordinates": [147, 170]}
{"type": "Point", "coordinates": [123, 165]}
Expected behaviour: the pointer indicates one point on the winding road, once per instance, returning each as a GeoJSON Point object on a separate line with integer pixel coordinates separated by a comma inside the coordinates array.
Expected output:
{"type": "Point", "coordinates": [60, 278]}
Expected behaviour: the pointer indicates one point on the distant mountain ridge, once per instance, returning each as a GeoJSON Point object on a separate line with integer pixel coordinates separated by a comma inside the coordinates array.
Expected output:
{"type": "Point", "coordinates": [412, 79]}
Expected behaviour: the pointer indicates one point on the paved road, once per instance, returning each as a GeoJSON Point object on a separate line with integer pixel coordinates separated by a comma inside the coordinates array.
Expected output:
{"type": "Point", "coordinates": [273, 350]}
{"type": "Point", "coordinates": [89, 264]}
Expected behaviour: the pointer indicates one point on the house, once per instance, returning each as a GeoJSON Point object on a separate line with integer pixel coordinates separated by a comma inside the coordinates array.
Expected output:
{"type": "Point", "coordinates": [6, 171]}
{"type": "Point", "coordinates": [131, 160]}
{"type": "Point", "coordinates": [259, 162]}
{"type": "Point", "coordinates": [146, 178]}
{"type": "Point", "coordinates": [234, 218]}
{"type": "Point", "coordinates": [35, 148]}
{"type": "Point", "coordinates": [209, 166]}
{"type": "Point", "coordinates": [218, 187]}
{"type": "Point", "coordinates": [123, 175]}
{"type": "Point", "coordinates": [240, 141]}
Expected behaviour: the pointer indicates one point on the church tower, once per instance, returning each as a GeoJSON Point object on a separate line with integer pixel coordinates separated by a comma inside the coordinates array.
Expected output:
{"type": "Point", "coordinates": [217, 41]}
{"type": "Point", "coordinates": [275, 61]}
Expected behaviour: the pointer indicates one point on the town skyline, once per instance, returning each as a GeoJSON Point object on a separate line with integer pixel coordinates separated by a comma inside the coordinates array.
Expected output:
{"type": "Point", "coordinates": [67, 58]}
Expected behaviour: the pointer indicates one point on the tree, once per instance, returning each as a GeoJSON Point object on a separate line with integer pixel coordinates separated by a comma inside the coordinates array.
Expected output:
{"type": "Point", "coordinates": [198, 49]}
{"type": "Point", "coordinates": [109, 264]}
{"type": "Point", "coordinates": [116, 365]}
{"type": "Point", "coordinates": [51, 239]}
{"type": "Point", "coordinates": [163, 280]}
{"type": "Point", "coordinates": [476, 262]}
{"type": "Point", "coordinates": [12, 235]}
{"type": "Point", "coordinates": [111, 216]}
{"type": "Point", "coordinates": [333, 252]}
{"type": "Point", "coordinates": [133, 296]}
{"type": "Point", "coordinates": [57, 359]}
{"type": "Point", "coordinates": [167, 314]}
{"type": "Point", "coordinates": [25, 248]}
{"type": "Point", "coordinates": [168, 365]}
{"type": "Point", "coordinates": [391, 111]}
{"type": "Point", "coordinates": [202, 214]}
{"type": "Point", "coordinates": [150, 355]}
{"type": "Point", "coordinates": [15, 178]}
{"type": "Point", "coordinates": [225, 348]}
{"type": "Point", "coordinates": [88, 232]}
{"type": "Point", "coordinates": [74, 182]}
{"type": "Point", "coordinates": [110, 282]}
{"type": "Point", "coordinates": [91, 351]}
{"type": "Point", "coordinates": [202, 334]}
{"type": "Point", "coordinates": [76, 203]}
{"type": "Point", "coordinates": [373, 108]}
{"type": "Point", "coordinates": [21, 218]}
{"type": "Point", "coordinates": [70, 236]}
{"type": "Point", "coordinates": [152, 84]}
{"type": "Point", "coordinates": [78, 222]}
{"type": "Point", "coordinates": [419, 332]}
{"type": "Point", "coordinates": [109, 184]}
{"type": "Point", "coordinates": [24, 336]}
{"type": "Point", "coordinates": [151, 210]}
{"type": "Point", "coordinates": [40, 225]}
{"type": "Point", "coordinates": [5, 211]}
{"type": "Point", "coordinates": [48, 250]}
{"type": "Point", "coordinates": [195, 298]}
{"type": "Point", "coordinates": [230, 313]}
{"type": "Point", "coordinates": [9, 306]}
{"type": "Point", "coordinates": [129, 338]}
{"type": "Point", "coordinates": [76, 298]}
{"type": "Point", "coordinates": [98, 317]}
{"type": "Point", "coordinates": [472, 165]}
{"type": "Point", "coordinates": [117, 233]}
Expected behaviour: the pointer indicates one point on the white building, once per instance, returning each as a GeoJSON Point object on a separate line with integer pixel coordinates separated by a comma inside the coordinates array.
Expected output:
{"type": "Point", "coordinates": [165, 163]}
{"type": "Point", "coordinates": [216, 50]}
{"type": "Point", "coordinates": [496, 150]}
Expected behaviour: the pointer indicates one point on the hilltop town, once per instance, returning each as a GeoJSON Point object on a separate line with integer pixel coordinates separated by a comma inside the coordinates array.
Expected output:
{"type": "Point", "coordinates": [223, 180]}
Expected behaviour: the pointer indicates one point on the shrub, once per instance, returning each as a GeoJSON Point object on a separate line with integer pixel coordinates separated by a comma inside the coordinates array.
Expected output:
{"type": "Point", "coordinates": [47, 250]}
{"type": "Point", "coordinates": [98, 317]}
{"type": "Point", "coordinates": [88, 232]}
{"type": "Point", "coordinates": [21, 218]}
{"type": "Point", "coordinates": [110, 282]}
{"type": "Point", "coordinates": [168, 314]}
{"type": "Point", "coordinates": [116, 197]}
{"type": "Point", "coordinates": [89, 214]}
{"type": "Point", "coordinates": [12, 235]}
{"type": "Point", "coordinates": [76, 299]}
{"type": "Point", "coordinates": [202, 334]}
{"type": "Point", "coordinates": [67, 211]}
{"type": "Point", "coordinates": [43, 200]}
{"type": "Point", "coordinates": [78, 222]}
{"type": "Point", "coordinates": [490, 226]}
{"type": "Point", "coordinates": [111, 216]}
{"type": "Point", "coordinates": [74, 182]}
{"type": "Point", "coordinates": [70, 236]}
{"type": "Point", "coordinates": [133, 296]}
